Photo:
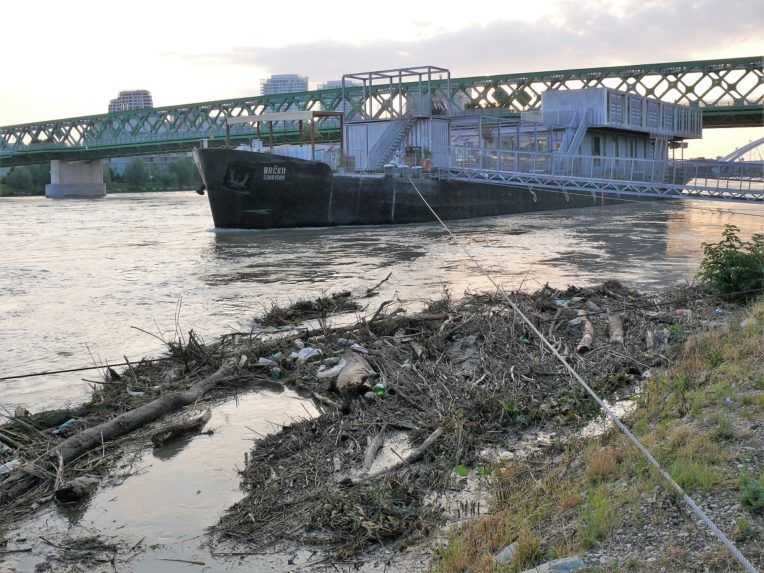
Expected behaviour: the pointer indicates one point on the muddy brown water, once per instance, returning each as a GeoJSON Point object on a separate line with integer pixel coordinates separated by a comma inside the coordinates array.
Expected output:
{"type": "Point", "coordinates": [76, 275]}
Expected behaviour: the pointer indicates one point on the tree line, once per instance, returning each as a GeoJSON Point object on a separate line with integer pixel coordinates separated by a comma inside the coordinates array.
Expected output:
{"type": "Point", "coordinates": [138, 176]}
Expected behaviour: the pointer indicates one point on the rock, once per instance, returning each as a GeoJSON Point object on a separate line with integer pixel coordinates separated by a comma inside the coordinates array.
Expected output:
{"type": "Point", "coordinates": [370, 396]}
{"type": "Point", "coordinates": [505, 556]}
{"type": "Point", "coordinates": [565, 565]}
{"type": "Point", "coordinates": [76, 489]}
{"type": "Point", "coordinates": [354, 374]}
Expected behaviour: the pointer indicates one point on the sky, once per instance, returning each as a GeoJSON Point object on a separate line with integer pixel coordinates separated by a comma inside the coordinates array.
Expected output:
{"type": "Point", "coordinates": [70, 58]}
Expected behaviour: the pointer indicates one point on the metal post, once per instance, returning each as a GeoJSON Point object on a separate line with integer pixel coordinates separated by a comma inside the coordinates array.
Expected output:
{"type": "Point", "coordinates": [227, 134]}
{"type": "Point", "coordinates": [480, 142]}
{"type": "Point", "coordinates": [312, 138]}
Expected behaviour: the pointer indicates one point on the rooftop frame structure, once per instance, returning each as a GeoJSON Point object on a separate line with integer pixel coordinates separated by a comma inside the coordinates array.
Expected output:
{"type": "Point", "coordinates": [372, 81]}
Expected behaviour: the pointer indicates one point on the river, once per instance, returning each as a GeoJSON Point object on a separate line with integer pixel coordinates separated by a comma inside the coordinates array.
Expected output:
{"type": "Point", "coordinates": [77, 276]}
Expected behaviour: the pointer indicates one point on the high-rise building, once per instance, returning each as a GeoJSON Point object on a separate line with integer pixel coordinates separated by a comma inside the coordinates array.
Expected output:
{"type": "Point", "coordinates": [284, 83]}
{"type": "Point", "coordinates": [131, 99]}
{"type": "Point", "coordinates": [336, 84]}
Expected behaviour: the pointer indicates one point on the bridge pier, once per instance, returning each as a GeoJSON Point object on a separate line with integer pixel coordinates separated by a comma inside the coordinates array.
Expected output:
{"type": "Point", "coordinates": [81, 179]}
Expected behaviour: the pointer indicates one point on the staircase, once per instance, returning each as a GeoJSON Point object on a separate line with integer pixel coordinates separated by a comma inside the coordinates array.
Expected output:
{"type": "Point", "coordinates": [390, 142]}
{"type": "Point", "coordinates": [578, 137]}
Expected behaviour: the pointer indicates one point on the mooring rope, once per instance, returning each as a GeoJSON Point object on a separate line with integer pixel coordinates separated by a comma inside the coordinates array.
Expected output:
{"type": "Point", "coordinates": [699, 513]}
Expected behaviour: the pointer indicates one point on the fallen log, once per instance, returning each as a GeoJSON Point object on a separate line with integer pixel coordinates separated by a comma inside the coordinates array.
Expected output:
{"type": "Point", "coordinates": [179, 428]}
{"type": "Point", "coordinates": [615, 326]}
{"type": "Point", "coordinates": [585, 345]}
{"type": "Point", "coordinates": [23, 479]}
{"type": "Point", "coordinates": [78, 444]}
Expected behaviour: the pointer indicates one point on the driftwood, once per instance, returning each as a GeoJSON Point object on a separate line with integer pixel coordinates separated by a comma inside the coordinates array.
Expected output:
{"type": "Point", "coordinates": [371, 452]}
{"type": "Point", "coordinates": [179, 428]}
{"type": "Point", "coordinates": [373, 290]}
{"type": "Point", "coordinates": [585, 345]}
{"type": "Point", "coordinates": [413, 456]}
{"type": "Point", "coordinates": [86, 440]}
{"type": "Point", "coordinates": [615, 326]}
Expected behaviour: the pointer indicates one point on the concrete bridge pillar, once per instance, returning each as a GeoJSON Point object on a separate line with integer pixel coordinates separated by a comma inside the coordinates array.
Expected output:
{"type": "Point", "coordinates": [76, 179]}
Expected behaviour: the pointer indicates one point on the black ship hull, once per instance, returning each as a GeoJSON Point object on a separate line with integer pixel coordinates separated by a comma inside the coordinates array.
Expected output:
{"type": "Point", "coordinates": [249, 190]}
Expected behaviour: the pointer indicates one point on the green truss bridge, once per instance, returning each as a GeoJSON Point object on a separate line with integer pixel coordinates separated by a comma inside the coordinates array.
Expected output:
{"type": "Point", "coordinates": [729, 91]}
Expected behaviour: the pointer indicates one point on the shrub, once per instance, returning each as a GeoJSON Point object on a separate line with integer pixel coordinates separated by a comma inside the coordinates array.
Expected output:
{"type": "Point", "coordinates": [732, 266]}
{"type": "Point", "coordinates": [752, 493]}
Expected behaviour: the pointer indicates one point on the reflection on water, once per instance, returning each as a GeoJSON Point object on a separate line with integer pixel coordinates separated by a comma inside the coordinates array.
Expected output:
{"type": "Point", "coordinates": [172, 500]}
{"type": "Point", "coordinates": [76, 275]}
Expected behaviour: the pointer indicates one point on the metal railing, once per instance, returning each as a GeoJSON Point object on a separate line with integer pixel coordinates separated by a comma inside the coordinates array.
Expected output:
{"type": "Point", "coordinates": [722, 175]}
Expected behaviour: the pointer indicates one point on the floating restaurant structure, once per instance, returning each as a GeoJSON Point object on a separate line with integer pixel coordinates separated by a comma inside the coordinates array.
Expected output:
{"type": "Point", "coordinates": [400, 145]}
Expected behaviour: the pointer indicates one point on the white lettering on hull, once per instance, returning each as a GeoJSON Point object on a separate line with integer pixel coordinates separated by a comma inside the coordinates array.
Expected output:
{"type": "Point", "coordinates": [274, 173]}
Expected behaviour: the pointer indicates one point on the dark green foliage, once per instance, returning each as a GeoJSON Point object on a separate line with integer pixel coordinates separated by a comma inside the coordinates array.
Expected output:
{"type": "Point", "coordinates": [19, 179]}
{"type": "Point", "coordinates": [136, 174]}
{"type": "Point", "coordinates": [185, 173]}
{"type": "Point", "coordinates": [732, 266]}
{"type": "Point", "coordinates": [752, 493]}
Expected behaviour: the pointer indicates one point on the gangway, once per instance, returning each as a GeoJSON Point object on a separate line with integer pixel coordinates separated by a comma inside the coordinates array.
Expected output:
{"type": "Point", "coordinates": [608, 176]}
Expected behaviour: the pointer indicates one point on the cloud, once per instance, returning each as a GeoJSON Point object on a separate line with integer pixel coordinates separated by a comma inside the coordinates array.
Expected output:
{"type": "Point", "coordinates": [581, 34]}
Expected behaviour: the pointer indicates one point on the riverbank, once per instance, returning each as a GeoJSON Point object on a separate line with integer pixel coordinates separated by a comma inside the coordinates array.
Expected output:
{"type": "Point", "coordinates": [597, 502]}
{"type": "Point", "coordinates": [412, 407]}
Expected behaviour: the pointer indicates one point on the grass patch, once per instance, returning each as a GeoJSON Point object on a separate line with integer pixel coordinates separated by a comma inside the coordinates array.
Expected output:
{"type": "Point", "coordinates": [597, 516]}
{"type": "Point", "coordinates": [692, 417]}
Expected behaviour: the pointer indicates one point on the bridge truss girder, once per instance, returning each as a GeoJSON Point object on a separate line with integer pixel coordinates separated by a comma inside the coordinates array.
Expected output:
{"type": "Point", "coordinates": [730, 91]}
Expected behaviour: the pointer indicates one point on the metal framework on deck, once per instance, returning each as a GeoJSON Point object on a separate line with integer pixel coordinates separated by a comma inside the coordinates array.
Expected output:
{"type": "Point", "coordinates": [730, 92]}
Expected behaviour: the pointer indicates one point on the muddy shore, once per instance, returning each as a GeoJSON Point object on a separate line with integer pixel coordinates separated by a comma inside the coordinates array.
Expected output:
{"type": "Point", "coordinates": [415, 409]}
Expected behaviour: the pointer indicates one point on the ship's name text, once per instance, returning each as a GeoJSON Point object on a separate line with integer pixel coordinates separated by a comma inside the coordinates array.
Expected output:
{"type": "Point", "coordinates": [274, 173]}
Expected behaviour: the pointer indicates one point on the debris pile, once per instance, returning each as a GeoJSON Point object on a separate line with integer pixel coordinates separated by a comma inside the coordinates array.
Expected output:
{"type": "Point", "coordinates": [456, 380]}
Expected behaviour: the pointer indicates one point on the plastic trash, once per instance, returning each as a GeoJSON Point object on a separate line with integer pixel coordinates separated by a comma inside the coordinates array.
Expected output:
{"type": "Point", "coordinates": [262, 361]}
{"type": "Point", "coordinates": [379, 389]}
{"type": "Point", "coordinates": [358, 348]}
{"type": "Point", "coordinates": [305, 354]}
{"type": "Point", "coordinates": [8, 467]}
{"type": "Point", "coordinates": [334, 371]}
{"type": "Point", "coordinates": [135, 392]}
{"type": "Point", "coordinates": [66, 425]}
{"type": "Point", "coordinates": [276, 373]}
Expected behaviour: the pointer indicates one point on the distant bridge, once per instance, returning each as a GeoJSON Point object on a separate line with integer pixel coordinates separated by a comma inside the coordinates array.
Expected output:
{"type": "Point", "coordinates": [729, 91]}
